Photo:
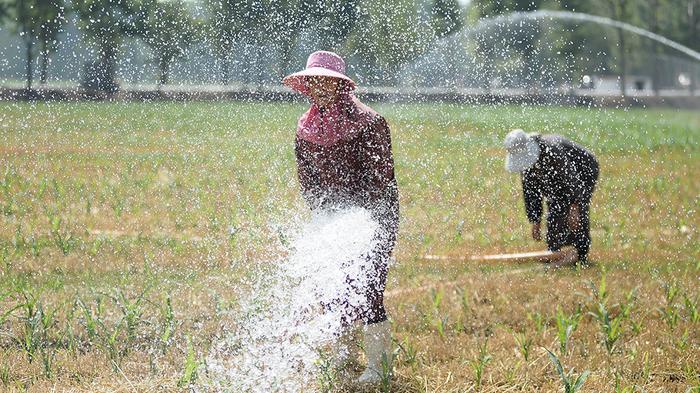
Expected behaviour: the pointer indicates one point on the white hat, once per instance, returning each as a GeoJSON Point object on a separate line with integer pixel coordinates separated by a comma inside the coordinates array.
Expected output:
{"type": "Point", "coordinates": [523, 150]}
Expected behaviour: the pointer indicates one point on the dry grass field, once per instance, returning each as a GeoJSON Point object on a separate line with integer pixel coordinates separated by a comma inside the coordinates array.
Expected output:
{"type": "Point", "coordinates": [127, 230]}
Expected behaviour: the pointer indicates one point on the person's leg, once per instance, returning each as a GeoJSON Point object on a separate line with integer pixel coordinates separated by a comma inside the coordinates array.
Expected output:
{"type": "Point", "coordinates": [582, 234]}
{"type": "Point", "coordinates": [377, 330]}
{"type": "Point", "coordinates": [557, 226]}
{"type": "Point", "coordinates": [377, 343]}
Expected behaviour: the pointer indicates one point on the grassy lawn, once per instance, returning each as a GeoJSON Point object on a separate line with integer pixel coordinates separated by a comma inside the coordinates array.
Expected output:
{"type": "Point", "coordinates": [128, 230]}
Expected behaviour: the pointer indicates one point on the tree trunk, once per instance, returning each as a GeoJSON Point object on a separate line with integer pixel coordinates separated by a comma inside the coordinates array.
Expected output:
{"type": "Point", "coordinates": [654, 5]}
{"type": "Point", "coordinates": [164, 66]}
{"type": "Point", "coordinates": [693, 17]}
{"type": "Point", "coordinates": [224, 69]}
{"type": "Point", "coordinates": [29, 44]}
{"type": "Point", "coordinates": [260, 60]}
{"type": "Point", "coordinates": [623, 63]}
{"type": "Point", "coordinates": [43, 73]}
{"type": "Point", "coordinates": [285, 56]}
{"type": "Point", "coordinates": [108, 68]}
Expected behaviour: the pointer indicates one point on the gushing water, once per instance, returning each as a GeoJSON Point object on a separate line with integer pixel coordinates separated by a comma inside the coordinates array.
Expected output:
{"type": "Point", "coordinates": [582, 17]}
{"type": "Point", "coordinates": [519, 51]}
{"type": "Point", "coordinates": [284, 324]}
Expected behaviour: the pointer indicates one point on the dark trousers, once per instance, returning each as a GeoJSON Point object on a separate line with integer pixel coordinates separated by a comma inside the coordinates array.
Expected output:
{"type": "Point", "coordinates": [371, 286]}
{"type": "Point", "coordinates": [559, 234]}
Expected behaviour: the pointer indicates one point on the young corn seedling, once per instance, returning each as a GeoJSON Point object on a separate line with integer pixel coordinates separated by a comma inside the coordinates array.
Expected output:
{"type": "Point", "coordinates": [691, 308]}
{"type": "Point", "coordinates": [327, 374]}
{"type": "Point", "coordinates": [107, 337]}
{"type": "Point", "coordinates": [669, 313]}
{"type": "Point", "coordinates": [441, 325]}
{"type": "Point", "coordinates": [189, 372]}
{"type": "Point", "coordinates": [408, 351]}
{"type": "Point", "coordinates": [682, 341]}
{"type": "Point", "coordinates": [566, 326]}
{"type": "Point", "coordinates": [479, 364]}
{"type": "Point", "coordinates": [132, 311]}
{"type": "Point", "coordinates": [622, 389]}
{"type": "Point", "coordinates": [671, 290]}
{"type": "Point", "coordinates": [5, 375]}
{"type": "Point", "coordinates": [464, 301]}
{"type": "Point", "coordinates": [628, 305]}
{"type": "Point", "coordinates": [386, 373]}
{"type": "Point", "coordinates": [539, 320]}
{"type": "Point", "coordinates": [636, 327]}
{"type": "Point", "coordinates": [692, 376]}
{"type": "Point", "coordinates": [18, 240]}
{"type": "Point", "coordinates": [524, 344]}
{"type": "Point", "coordinates": [31, 319]}
{"type": "Point", "coordinates": [600, 292]}
{"type": "Point", "coordinates": [436, 298]}
{"type": "Point", "coordinates": [168, 325]}
{"type": "Point", "coordinates": [69, 338]}
{"type": "Point", "coordinates": [571, 384]}
{"type": "Point", "coordinates": [63, 240]}
{"type": "Point", "coordinates": [511, 373]}
{"type": "Point", "coordinates": [611, 327]}
{"type": "Point", "coordinates": [47, 350]}
{"type": "Point", "coordinates": [646, 367]}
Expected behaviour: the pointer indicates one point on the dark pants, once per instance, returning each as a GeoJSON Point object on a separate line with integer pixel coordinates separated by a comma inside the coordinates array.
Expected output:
{"type": "Point", "coordinates": [559, 234]}
{"type": "Point", "coordinates": [372, 285]}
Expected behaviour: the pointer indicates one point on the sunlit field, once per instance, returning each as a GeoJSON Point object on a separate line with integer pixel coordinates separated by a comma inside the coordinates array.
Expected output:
{"type": "Point", "coordinates": [129, 230]}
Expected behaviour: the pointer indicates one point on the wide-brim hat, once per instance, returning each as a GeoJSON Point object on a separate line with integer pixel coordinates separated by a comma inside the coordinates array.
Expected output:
{"type": "Point", "coordinates": [523, 151]}
{"type": "Point", "coordinates": [320, 63]}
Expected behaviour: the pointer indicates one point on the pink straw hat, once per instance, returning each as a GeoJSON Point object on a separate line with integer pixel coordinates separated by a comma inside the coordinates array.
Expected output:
{"type": "Point", "coordinates": [320, 63]}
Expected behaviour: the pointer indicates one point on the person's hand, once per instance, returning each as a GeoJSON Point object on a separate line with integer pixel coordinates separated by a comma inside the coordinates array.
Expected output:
{"type": "Point", "coordinates": [573, 219]}
{"type": "Point", "coordinates": [536, 231]}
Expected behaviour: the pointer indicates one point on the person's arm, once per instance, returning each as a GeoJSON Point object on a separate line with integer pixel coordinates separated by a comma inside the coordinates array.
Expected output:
{"type": "Point", "coordinates": [533, 198]}
{"type": "Point", "coordinates": [588, 175]}
{"type": "Point", "coordinates": [533, 204]}
{"type": "Point", "coordinates": [308, 176]}
{"type": "Point", "coordinates": [377, 157]}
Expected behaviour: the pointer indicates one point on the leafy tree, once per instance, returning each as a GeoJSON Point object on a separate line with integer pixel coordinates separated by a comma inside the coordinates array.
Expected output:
{"type": "Point", "coordinates": [52, 20]}
{"type": "Point", "coordinates": [333, 20]}
{"type": "Point", "coordinates": [285, 21]}
{"type": "Point", "coordinates": [168, 29]}
{"type": "Point", "coordinates": [385, 37]}
{"type": "Point", "coordinates": [445, 17]}
{"type": "Point", "coordinates": [4, 10]}
{"type": "Point", "coordinates": [35, 21]}
{"type": "Point", "coordinates": [227, 25]}
{"type": "Point", "coordinates": [621, 10]}
{"type": "Point", "coordinates": [519, 43]}
{"type": "Point", "coordinates": [105, 24]}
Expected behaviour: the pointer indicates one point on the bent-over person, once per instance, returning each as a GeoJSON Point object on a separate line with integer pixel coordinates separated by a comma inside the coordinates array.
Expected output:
{"type": "Point", "coordinates": [564, 174]}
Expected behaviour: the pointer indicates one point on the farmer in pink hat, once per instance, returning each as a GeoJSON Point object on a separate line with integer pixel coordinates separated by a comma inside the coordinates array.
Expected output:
{"type": "Point", "coordinates": [343, 152]}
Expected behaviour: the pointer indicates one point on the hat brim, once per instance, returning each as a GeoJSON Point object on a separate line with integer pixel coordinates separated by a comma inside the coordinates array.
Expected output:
{"type": "Point", "coordinates": [297, 80]}
{"type": "Point", "coordinates": [519, 160]}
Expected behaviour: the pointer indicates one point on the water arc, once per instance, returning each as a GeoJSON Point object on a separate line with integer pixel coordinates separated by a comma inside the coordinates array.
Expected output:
{"type": "Point", "coordinates": [583, 17]}
{"type": "Point", "coordinates": [522, 52]}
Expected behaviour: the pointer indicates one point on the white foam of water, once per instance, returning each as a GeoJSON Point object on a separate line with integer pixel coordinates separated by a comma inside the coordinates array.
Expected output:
{"type": "Point", "coordinates": [274, 342]}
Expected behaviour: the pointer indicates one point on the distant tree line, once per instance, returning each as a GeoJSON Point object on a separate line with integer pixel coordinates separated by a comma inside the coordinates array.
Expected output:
{"type": "Point", "coordinates": [383, 34]}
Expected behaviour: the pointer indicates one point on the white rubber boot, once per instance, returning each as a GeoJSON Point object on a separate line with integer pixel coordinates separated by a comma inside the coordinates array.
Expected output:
{"type": "Point", "coordinates": [377, 348]}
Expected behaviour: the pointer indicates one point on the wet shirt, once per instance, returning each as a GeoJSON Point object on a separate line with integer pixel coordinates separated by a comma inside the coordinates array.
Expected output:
{"type": "Point", "coordinates": [358, 171]}
{"type": "Point", "coordinates": [565, 173]}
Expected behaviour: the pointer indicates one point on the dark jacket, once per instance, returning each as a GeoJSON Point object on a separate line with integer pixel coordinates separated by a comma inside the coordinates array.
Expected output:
{"type": "Point", "coordinates": [565, 173]}
{"type": "Point", "coordinates": [355, 172]}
